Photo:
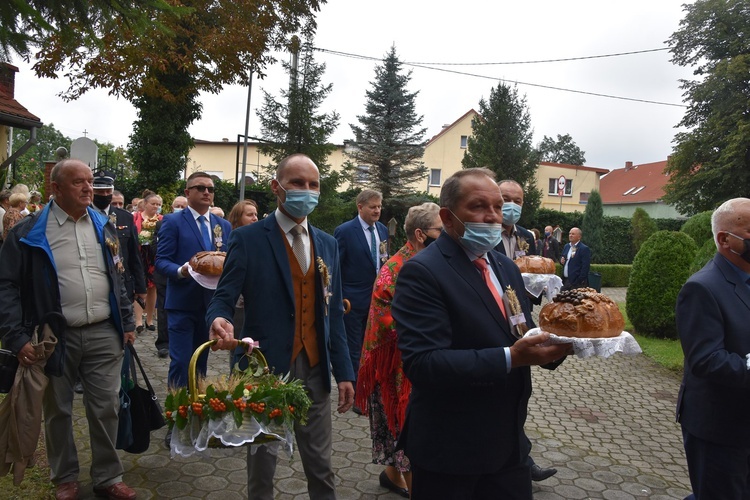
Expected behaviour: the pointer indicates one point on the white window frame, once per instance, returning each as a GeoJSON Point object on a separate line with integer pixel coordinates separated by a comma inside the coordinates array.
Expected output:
{"type": "Point", "coordinates": [432, 176]}
{"type": "Point", "coordinates": [553, 183]}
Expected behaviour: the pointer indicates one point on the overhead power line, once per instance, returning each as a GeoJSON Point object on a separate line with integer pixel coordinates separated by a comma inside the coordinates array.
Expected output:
{"type": "Point", "coordinates": [429, 66]}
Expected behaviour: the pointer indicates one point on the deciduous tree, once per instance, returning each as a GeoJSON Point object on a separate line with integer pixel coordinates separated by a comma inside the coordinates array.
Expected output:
{"type": "Point", "coordinates": [29, 167]}
{"type": "Point", "coordinates": [711, 160]}
{"type": "Point", "coordinates": [389, 140]}
{"type": "Point", "coordinates": [501, 140]}
{"type": "Point", "coordinates": [562, 150]}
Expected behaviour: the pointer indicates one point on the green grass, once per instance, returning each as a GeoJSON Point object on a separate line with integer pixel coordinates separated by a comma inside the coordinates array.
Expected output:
{"type": "Point", "coordinates": [666, 352]}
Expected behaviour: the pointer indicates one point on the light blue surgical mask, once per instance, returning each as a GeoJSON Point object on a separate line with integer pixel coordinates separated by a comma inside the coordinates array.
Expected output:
{"type": "Point", "coordinates": [158, 210]}
{"type": "Point", "coordinates": [511, 213]}
{"type": "Point", "coordinates": [480, 237]}
{"type": "Point", "coordinates": [300, 202]}
{"type": "Point", "coordinates": [177, 210]}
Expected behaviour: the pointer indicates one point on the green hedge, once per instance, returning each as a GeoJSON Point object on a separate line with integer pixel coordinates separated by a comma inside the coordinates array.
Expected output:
{"type": "Point", "coordinates": [613, 275]}
{"type": "Point", "coordinates": [617, 245]}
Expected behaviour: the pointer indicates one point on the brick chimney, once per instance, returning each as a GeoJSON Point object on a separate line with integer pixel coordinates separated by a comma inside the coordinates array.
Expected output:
{"type": "Point", "coordinates": [628, 165]}
{"type": "Point", "coordinates": [8, 79]}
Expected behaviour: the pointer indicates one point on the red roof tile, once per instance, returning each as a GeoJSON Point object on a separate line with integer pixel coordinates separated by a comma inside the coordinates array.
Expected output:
{"type": "Point", "coordinates": [14, 114]}
{"type": "Point", "coordinates": [638, 184]}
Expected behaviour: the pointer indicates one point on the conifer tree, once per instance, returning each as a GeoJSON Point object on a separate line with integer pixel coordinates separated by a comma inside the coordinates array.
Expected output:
{"type": "Point", "coordinates": [389, 140]}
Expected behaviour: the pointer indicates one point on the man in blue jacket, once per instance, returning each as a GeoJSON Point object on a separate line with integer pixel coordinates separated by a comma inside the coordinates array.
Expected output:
{"type": "Point", "coordinates": [66, 259]}
{"type": "Point", "coordinates": [288, 272]}
{"type": "Point", "coordinates": [362, 250]}
{"type": "Point", "coordinates": [576, 260]}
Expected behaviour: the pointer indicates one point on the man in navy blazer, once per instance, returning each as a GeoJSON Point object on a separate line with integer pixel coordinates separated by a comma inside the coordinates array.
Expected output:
{"type": "Point", "coordinates": [263, 266]}
{"type": "Point", "coordinates": [576, 260]}
{"type": "Point", "coordinates": [181, 236]}
{"type": "Point", "coordinates": [713, 406]}
{"type": "Point", "coordinates": [362, 250]}
{"type": "Point", "coordinates": [467, 367]}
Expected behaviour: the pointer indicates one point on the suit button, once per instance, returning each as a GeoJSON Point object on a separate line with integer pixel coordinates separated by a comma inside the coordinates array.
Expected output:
{"type": "Point", "coordinates": [304, 296]}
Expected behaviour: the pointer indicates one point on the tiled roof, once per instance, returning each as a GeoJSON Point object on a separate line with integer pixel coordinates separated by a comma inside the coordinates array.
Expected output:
{"type": "Point", "coordinates": [12, 113]}
{"type": "Point", "coordinates": [637, 184]}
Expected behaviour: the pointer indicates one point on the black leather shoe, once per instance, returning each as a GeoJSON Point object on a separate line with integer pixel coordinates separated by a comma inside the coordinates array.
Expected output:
{"type": "Point", "coordinates": [540, 474]}
{"type": "Point", "coordinates": [387, 483]}
{"type": "Point", "coordinates": [78, 387]}
{"type": "Point", "coordinates": [163, 353]}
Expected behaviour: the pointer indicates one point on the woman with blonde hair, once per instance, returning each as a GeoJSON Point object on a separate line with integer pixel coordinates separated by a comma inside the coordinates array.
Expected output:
{"type": "Point", "coordinates": [17, 202]}
{"type": "Point", "coordinates": [145, 225]}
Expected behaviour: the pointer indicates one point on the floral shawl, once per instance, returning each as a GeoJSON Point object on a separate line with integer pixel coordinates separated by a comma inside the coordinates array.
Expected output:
{"type": "Point", "coordinates": [380, 364]}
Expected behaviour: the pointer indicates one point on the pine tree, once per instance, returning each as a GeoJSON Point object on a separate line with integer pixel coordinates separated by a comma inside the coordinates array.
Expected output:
{"type": "Point", "coordinates": [389, 140]}
{"type": "Point", "coordinates": [501, 140]}
{"type": "Point", "coordinates": [295, 125]}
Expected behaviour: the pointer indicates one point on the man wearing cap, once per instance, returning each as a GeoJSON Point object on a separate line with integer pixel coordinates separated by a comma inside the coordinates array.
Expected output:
{"type": "Point", "coordinates": [134, 276]}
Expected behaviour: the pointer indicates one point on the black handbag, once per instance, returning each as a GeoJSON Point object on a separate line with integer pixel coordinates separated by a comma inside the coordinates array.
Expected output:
{"type": "Point", "coordinates": [146, 414]}
{"type": "Point", "coordinates": [125, 425]}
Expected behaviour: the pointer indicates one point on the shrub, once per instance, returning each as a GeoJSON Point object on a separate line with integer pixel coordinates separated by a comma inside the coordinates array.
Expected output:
{"type": "Point", "coordinates": [641, 227]}
{"type": "Point", "coordinates": [698, 227]}
{"type": "Point", "coordinates": [592, 226]}
{"type": "Point", "coordinates": [616, 275]}
{"type": "Point", "coordinates": [659, 270]}
{"type": "Point", "coordinates": [704, 255]}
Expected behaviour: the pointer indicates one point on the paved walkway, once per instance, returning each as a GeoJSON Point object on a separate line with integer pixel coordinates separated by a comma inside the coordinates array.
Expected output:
{"type": "Point", "coordinates": [606, 425]}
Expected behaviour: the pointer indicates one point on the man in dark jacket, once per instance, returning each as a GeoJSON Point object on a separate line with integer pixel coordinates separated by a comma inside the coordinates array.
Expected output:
{"type": "Point", "coordinates": [550, 246]}
{"type": "Point", "coordinates": [66, 259]}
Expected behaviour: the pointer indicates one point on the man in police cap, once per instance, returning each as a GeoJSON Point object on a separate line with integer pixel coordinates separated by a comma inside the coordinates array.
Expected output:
{"type": "Point", "coordinates": [134, 275]}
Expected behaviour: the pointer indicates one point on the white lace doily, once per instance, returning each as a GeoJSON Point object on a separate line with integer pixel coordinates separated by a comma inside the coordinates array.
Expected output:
{"type": "Point", "coordinates": [209, 282]}
{"type": "Point", "coordinates": [195, 438]}
{"type": "Point", "coordinates": [536, 284]}
{"type": "Point", "coordinates": [587, 348]}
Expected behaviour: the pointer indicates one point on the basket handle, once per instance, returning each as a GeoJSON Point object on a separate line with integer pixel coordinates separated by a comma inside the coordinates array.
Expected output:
{"type": "Point", "coordinates": [192, 367]}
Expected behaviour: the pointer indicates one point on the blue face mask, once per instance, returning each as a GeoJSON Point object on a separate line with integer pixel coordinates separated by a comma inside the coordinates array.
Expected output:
{"type": "Point", "coordinates": [176, 210]}
{"type": "Point", "coordinates": [547, 234]}
{"type": "Point", "coordinates": [158, 210]}
{"type": "Point", "coordinates": [300, 202]}
{"type": "Point", "coordinates": [480, 237]}
{"type": "Point", "coordinates": [511, 213]}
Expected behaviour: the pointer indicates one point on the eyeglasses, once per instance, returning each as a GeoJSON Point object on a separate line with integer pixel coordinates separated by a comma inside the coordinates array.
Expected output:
{"type": "Point", "coordinates": [203, 189]}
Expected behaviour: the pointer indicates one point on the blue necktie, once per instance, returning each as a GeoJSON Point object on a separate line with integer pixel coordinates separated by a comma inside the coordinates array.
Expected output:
{"type": "Point", "coordinates": [204, 232]}
{"type": "Point", "coordinates": [373, 246]}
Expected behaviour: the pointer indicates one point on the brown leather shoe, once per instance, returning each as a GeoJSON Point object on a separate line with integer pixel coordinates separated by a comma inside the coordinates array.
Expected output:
{"type": "Point", "coordinates": [117, 491]}
{"type": "Point", "coordinates": [67, 491]}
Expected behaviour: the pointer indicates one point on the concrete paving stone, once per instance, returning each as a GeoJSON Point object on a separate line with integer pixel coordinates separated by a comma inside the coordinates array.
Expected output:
{"type": "Point", "coordinates": [360, 457]}
{"type": "Point", "coordinates": [574, 492]}
{"type": "Point", "coordinates": [547, 495]}
{"type": "Point", "coordinates": [225, 495]}
{"type": "Point", "coordinates": [680, 492]}
{"type": "Point", "coordinates": [597, 461]}
{"type": "Point", "coordinates": [163, 475]}
{"type": "Point", "coordinates": [556, 457]}
{"type": "Point", "coordinates": [580, 466]}
{"type": "Point", "coordinates": [292, 486]}
{"type": "Point", "coordinates": [354, 474]}
{"type": "Point", "coordinates": [652, 481]}
{"type": "Point", "coordinates": [590, 485]}
{"type": "Point", "coordinates": [210, 483]}
{"type": "Point", "coordinates": [617, 495]}
{"type": "Point", "coordinates": [175, 489]}
{"type": "Point", "coordinates": [606, 476]}
{"type": "Point", "coordinates": [199, 469]}
{"type": "Point", "coordinates": [356, 434]}
{"type": "Point", "coordinates": [636, 489]}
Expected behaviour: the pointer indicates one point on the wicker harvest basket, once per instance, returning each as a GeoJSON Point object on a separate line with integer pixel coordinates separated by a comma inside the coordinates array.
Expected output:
{"type": "Point", "coordinates": [249, 407]}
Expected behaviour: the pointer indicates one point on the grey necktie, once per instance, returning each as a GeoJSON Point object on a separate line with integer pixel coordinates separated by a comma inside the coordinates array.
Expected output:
{"type": "Point", "coordinates": [298, 247]}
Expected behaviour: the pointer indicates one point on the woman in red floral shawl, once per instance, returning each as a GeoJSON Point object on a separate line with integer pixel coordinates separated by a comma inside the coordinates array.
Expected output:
{"type": "Point", "coordinates": [382, 389]}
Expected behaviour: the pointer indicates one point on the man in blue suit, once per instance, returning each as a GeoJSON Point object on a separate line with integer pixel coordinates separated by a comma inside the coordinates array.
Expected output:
{"type": "Point", "coordinates": [452, 309]}
{"type": "Point", "coordinates": [288, 272]}
{"type": "Point", "coordinates": [576, 260]}
{"type": "Point", "coordinates": [181, 236]}
{"type": "Point", "coordinates": [362, 250]}
{"type": "Point", "coordinates": [713, 406]}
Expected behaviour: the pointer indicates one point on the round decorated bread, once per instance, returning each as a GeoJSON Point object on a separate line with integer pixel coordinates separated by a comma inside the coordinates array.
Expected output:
{"type": "Point", "coordinates": [535, 264]}
{"type": "Point", "coordinates": [583, 313]}
{"type": "Point", "coordinates": [208, 263]}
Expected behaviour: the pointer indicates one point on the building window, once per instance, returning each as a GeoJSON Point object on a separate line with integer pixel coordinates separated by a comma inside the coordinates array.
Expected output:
{"type": "Point", "coordinates": [434, 177]}
{"type": "Point", "coordinates": [464, 141]}
{"type": "Point", "coordinates": [552, 191]}
{"type": "Point", "coordinates": [362, 174]}
{"type": "Point", "coordinates": [583, 198]}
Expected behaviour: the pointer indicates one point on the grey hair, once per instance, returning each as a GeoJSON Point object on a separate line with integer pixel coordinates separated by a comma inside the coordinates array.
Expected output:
{"type": "Point", "coordinates": [723, 217]}
{"type": "Point", "coordinates": [420, 217]}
